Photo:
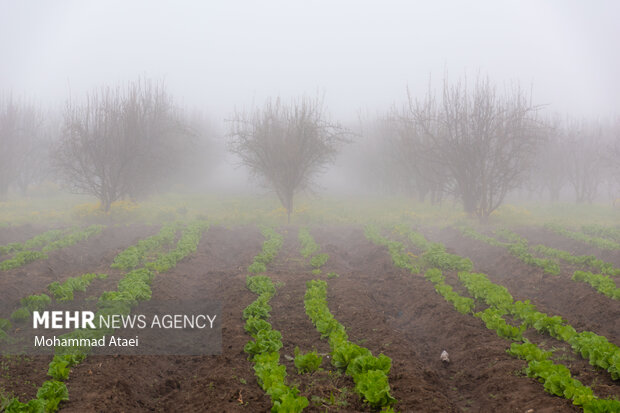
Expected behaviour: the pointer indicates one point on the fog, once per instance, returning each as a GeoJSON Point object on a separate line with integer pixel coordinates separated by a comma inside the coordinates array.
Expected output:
{"type": "Point", "coordinates": [361, 56]}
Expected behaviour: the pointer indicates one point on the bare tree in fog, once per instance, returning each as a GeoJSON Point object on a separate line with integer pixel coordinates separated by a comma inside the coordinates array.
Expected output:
{"type": "Point", "coordinates": [613, 155]}
{"type": "Point", "coordinates": [550, 171]}
{"type": "Point", "coordinates": [374, 164]}
{"type": "Point", "coordinates": [286, 145]}
{"type": "Point", "coordinates": [419, 171]}
{"type": "Point", "coordinates": [483, 141]}
{"type": "Point", "coordinates": [20, 145]}
{"type": "Point", "coordinates": [584, 157]}
{"type": "Point", "coordinates": [122, 142]}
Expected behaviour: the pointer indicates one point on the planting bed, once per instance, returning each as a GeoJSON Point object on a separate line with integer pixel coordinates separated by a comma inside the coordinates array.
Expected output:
{"type": "Point", "coordinates": [384, 309]}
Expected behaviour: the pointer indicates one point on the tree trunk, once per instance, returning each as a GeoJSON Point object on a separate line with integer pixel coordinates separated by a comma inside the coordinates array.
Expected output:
{"type": "Point", "coordinates": [106, 204]}
{"type": "Point", "coordinates": [289, 210]}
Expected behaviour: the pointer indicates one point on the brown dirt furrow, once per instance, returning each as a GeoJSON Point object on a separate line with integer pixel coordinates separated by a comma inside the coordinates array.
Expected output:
{"type": "Point", "coordinates": [92, 255]}
{"type": "Point", "coordinates": [20, 233]}
{"type": "Point", "coordinates": [383, 308]}
{"type": "Point", "coordinates": [541, 235]}
{"type": "Point", "coordinates": [403, 316]}
{"type": "Point", "coordinates": [219, 383]}
{"type": "Point", "coordinates": [578, 303]}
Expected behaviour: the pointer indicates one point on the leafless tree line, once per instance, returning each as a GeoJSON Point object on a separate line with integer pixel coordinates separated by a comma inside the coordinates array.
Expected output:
{"type": "Point", "coordinates": [119, 142]}
{"type": "Point", "coordinates": [478, 145]}
{"type": "Point", "coordinates": [469, 141]}
{"type": "Point", "coordinates": [23, 145]}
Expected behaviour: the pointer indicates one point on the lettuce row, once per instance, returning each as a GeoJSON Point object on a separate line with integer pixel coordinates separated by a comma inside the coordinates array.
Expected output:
{"type": "Point", "coordinates": [602, 243]}
{"type": "Point", "coordinates": [187, 244]}
{"type": "Point", "coordinates": [369, 373]}
{"type": "Point", "coordinates": [556, 378]}
{"type": "Point", "coordinates": [264, 349]}
{"type": "Point", "coordinates": [611, 233]}
{"type": "Point", "coordinates": [308, 244]}
{"type": "Point", "coordinates": [590, 261]}
{"type": "Point", "coordinates": [49, 396]}
{"type": "Point", "coordinates": [396, 249]}
{"type": "Point", "coordinates": [601, 283]}
{"type": "Point", "coordinates": [22, 258]}
{"type": "Point", "coordinates": [473, 234]}
{"type": "Point", "coordinates": [463, 305]}
{"type": "Point", "coordinates": [270, 249]}
{"type": "Point", "coordinates": [33, 243]}
{"type": "Point", "coordinates": [29, 304]}
{"type": "Point", "coordinates": [517, 246]}
{"type": "Point", "coordinates": [27, 256]}
{"type": "Point", "coordinates": [434, 254]}
{"type": "Point", "coordinates": [73, 238]}
{"type": "Point", "coordinates": [596, 349]}
{"type": "Point", "coordinates": [132, 288]}
{"type": "Point", "coordinates": [417, 239]}
{"type": "Point", "coordinates": [134, 255]}
{"type": "Point", "coordinates": [309, 248]}
{"type": "Point", "coordinates": [64, 291]}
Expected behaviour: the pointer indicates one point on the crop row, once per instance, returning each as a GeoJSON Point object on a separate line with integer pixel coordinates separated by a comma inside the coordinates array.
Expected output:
{"type": "Point", "coordinates": [270, 249]}
{"type": "Point", "coordinates": [598, 242]}
{"type": "Point", "coordinates": [60, 291]}
{"type": "Point", "coordinates": [434, 254]}
{"type": "Point", "coordinates": [597, 349]}
{"type": "Point", "coordinates": [308, 244]}
{"type": "Point", "coordinates": [264, 349]}
{"type": "Point", "coordinates": [64, 291]}
{"type": "Point", "coordinates": [33, 243]}
{"type": "Point", "coordinates": [131, 289]}
{"type": "Point", "coordinates": [133, 256]}
{"type": "Point", "coordinates": [612, 234]}
{"type": "Point", "coordinates": [309, 249]}
{"type": "Point", "coordinates": [589, 261]}
{"type": "Point", "coordinates": [555, 377]}
{"type": "Point", "coordinates": [517, 246]}
{"type": "Point", "coordinates": [369, 373]}
{"type": "Point", "coordinates": [129, 258]}
{"type": "Point", "coordinates": [601, 283]}
{"type": "Point", "coordinates": [26, 256]}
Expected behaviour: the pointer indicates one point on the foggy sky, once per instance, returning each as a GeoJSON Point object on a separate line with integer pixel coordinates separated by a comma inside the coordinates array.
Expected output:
{"type": "Point", "coordinates": [360, 54]}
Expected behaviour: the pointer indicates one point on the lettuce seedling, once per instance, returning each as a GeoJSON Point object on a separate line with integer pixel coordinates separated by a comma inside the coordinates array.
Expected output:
{"type": "Point", "coordinates": [307, 362]}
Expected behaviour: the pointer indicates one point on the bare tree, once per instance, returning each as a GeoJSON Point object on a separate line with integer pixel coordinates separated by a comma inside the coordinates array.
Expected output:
{"type": "Point", "coordinates": [410, 154]}
{"type": "Point", "coordinates": [584, 157]}
{"type": "Point", "coordinates": [482, 141]}
{"type": "Point", "coordinates": [613, 155]}
{"type": "Point", "coordinates": [550, 170]}
{"type": "Point", "coordinates": [286, 145]}
{"type": "Point", "coordinates": [20, 125]}
{"type": "Point", "coordinates": [122, 142]}
{"type": "Point", "coordinates": [371, 155]}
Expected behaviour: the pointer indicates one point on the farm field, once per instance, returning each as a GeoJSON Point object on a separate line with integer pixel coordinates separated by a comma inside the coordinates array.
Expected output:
{"type": "Point", "coordinates": [379, 286]}
{"type": "Point", "coordinates": [286, 207]}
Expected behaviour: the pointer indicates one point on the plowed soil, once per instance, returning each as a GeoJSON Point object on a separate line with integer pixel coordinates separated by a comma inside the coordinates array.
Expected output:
{"type": "Point", "coordinates": [385, 309]}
